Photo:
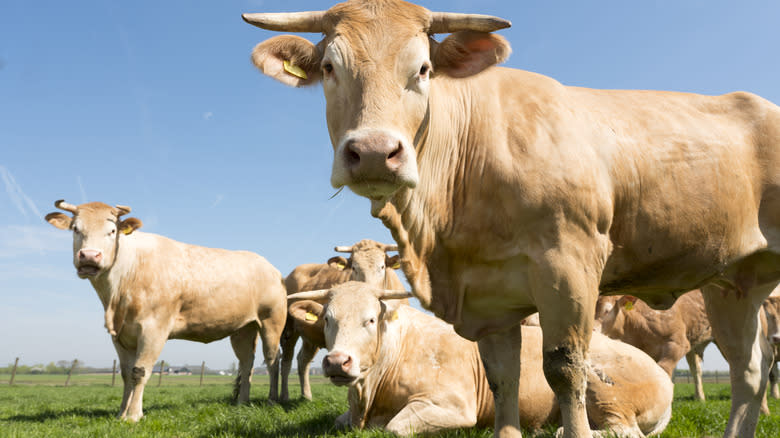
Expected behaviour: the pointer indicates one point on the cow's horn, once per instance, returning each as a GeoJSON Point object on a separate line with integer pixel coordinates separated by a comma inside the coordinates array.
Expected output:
{"type": "Point", "coordinates": [122, 210]}
{"type": "Point", "coordinates": [448, 22]}
{"type": "Point", "coordinates": [62, 205]}
{"type": "Point", "coordinates": [391, 248]}
{"type": "Point", "coordinates": [343, 249]}
{"type": "Point", "coordinates": [385, 294]}
{"type": "Point", "coordinates": [310, 21]}
{"type": "Point", "coordinates": [320, 294]}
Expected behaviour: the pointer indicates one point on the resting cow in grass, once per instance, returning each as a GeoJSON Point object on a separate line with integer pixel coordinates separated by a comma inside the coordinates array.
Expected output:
{"type": "Point", "coordinates": [368, 262]}
{"type": "Point", "coordinates": [154, 289]}
{"type": "Point", "coordinates": [409, 372]}
{"type": "Point", "coordinates": [508, 192]}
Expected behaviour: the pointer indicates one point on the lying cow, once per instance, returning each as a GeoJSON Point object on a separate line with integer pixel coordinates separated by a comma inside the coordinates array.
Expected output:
{"type": "Point", "coordinates": [667, 336]}
{"type": "Point", "coordinates": [410, 373]}
{"type": "Point", "coordinates": [509, 193]}
{"type": "Point", "coordinates": [368, 262]}
{"type": "Point", "coordinates": [154, 289]}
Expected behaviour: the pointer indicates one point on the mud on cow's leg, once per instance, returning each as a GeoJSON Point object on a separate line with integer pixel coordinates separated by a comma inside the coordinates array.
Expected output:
{"type": "Point", "coordinates": [288, 341]}
{"type": "Point", "coordinates": [150, 345]}
{"type": "Point", "coordinates": [735, 325]}
{"type": "Point", "coordinates": [500, 355]}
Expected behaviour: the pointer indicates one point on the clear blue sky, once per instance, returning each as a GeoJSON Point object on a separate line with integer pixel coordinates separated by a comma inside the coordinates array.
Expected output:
{"type": "Point", "coordinates": [155, 104]}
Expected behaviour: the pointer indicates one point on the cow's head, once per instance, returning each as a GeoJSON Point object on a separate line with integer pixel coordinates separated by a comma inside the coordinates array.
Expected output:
{"type": "Point", "coordinates": [368, 261]}
{"type": "Point", "coordinates": [353, 321]}
{"type": "Point", "coordinates": [97, 230]}
{"type": "Point", "coordinates": [376, 63]}
{"type": "Point", "coordinates": [607, 310]}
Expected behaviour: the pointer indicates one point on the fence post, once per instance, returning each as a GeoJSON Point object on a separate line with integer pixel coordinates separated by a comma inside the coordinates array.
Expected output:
{"type": "Point", "coordinates": [113, 374]}
{"type": "Point", "coordinates": [716, 376]}
{"type": "Point", "coordinates": [70, 371]}
{"type": "Point", "coordinates": [13, 372]}
{"type": "Point", "coordinates": [162, 365]}
{"type": "Point", "coordinates": [202, 367]}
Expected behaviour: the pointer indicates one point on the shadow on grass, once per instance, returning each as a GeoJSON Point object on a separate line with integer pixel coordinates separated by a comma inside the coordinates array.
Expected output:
{"type": "Point", "coordinates": [54, 415]}
{"type": "Point", "coordinates": [313, 427]}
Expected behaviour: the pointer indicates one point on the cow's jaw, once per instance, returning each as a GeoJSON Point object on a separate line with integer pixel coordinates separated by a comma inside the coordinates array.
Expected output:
{"type": "Point", "coordinates": [88, 271]}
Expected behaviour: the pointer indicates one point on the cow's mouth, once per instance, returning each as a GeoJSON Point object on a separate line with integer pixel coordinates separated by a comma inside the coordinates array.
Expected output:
{"type": "Point", "coordinates": [85, 271]}
{"type": "Point", "coordinates": [341, 380]}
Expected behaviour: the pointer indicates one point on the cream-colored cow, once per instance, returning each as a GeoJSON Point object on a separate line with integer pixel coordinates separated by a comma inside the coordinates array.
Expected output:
{"type": "Point", "coordinates": [368, 262]}
{"type": "Point", "coordinates": [409, 372]}
{"type": "Point", "coordinates": [667, 336]}
{"type": "Point", "coordinates": [154, 289]}
{"type": "Point", "coordinates": [771, 309]}
{"type": "Point", "coordinates": [508, 192]}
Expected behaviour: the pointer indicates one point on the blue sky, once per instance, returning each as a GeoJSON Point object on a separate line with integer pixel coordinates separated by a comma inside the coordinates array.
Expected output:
{"type": "Point", "coordinates": [156, 105]}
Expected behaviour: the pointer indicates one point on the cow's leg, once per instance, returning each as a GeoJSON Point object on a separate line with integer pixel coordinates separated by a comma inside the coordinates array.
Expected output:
{"type": "Point", "coordinates": [422, 417]}
{"type": "Point", "coordinates": [694, 358]}
{"type": "Point", "coordinates": [305, 356]}
{"type": "Point", "coordinates": [270, 333]}
{"type": "Point", "coordinates": [500, 353]}
{"type": "Point", "coordinates": [126, 358]}
{"type": "Point", "coordinates": [566, 316]}
{"type": "Point", "coordinates": [735, 325]}
{"type": "Point", "coordinates": [244, 343]}
{"type": "Point", "coordinates": [774, 390]}
{"type": "Point", "coordinates": [288, 341]}
{"type": "Point", "coordinates": [150, 344]}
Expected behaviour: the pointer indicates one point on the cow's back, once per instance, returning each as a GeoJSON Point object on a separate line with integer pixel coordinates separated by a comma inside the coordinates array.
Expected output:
{"type": "Point", "coordinates": [315, 276]}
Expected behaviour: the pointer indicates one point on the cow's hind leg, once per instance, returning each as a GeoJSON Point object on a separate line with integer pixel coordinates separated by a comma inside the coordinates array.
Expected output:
{"type": "Point", "coordinates": [500, 354]}
{"type": "Point", "coordinates": [735, 325]}
{"type": "Point", "coordinates": [305, 356]}
{"type": "Point", "coordinates": [126, 358]}
{"type": "Point", "coordinates": [244, 343]}
{"type": "Point", "coordinates": [694, 358]}
{"type": "Point", "coordinates": [271, 329]}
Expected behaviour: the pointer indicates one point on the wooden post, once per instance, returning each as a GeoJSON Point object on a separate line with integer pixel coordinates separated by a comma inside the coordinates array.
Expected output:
{"type": "Point", "coordinates": [202, 367]}
{"type": "Point", "coordinates": [13, 372]}
{"type": "Point", "coordinates": [716, 376]}
{"type": "Point", "coordinates": [113, 374]}
{"type": "Point", "coordinates": [162, 365]}
{"type": "Point", "coordinates": [70, 371]}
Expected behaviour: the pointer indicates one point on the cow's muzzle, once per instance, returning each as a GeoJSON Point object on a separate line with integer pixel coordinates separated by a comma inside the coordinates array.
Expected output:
{"type": "Point", "coordinates": [337, 367]}
{"type": "Point", "coordinates": [88, 262]}
{"type": "Point", "coordinates": [374, 164]}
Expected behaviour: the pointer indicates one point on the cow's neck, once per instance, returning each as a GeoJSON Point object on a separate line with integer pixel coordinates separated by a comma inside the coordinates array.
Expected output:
{"type": "Point", "coordinates": [110, 285]}
{"type": "Point", "coordinates": [421, 219]}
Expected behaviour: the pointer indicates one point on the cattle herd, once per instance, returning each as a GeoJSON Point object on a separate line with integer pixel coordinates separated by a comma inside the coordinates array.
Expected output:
{"type": "Point", "coordinates": [507, 193]}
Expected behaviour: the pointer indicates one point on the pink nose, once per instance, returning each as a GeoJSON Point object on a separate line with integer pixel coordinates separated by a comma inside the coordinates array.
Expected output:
{"type": "Point", "coordinates": [336, 363]}
{"type": "Point", "coordinates": [90, 256]}
{"type": "Point", "coordinates": [374, 156]}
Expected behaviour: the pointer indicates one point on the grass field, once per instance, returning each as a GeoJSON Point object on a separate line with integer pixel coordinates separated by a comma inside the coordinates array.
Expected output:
{"type": "Point", "coordinates": [40, 406]}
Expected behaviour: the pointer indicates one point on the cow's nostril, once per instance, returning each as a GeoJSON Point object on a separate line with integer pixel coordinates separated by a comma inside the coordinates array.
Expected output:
{"type": "Point", "coordinates": [396, 152]}
{"type": "Point", "coordinates": [347, 363]}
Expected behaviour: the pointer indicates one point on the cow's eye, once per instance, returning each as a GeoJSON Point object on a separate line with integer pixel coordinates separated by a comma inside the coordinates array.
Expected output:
{"type": "Point", "coordinates": [327, 68]}
{"type": "Point", "coordinates": [371, 321]}
{"type": "Point", "coordinates": [111, 233]}
{"type": "Point", "coordinates": [425, 69]}
{"type": "Point", "coordinates": [76, 230]}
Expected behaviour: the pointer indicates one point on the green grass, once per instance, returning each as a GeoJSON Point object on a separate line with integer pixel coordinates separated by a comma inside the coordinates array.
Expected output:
{"type": "Point", "coordinates": [42, 407]}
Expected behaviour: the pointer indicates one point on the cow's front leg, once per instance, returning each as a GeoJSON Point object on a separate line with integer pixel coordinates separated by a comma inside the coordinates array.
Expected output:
{"type": "Point", "coordinates": [305, 356]}
{"type": "Point", "coordinates": [500, 353]}
{"type": "Point", "coordinates": [694, 365]}
{"type": "Point", "coordinates": [566, 309]}
{"type": "Point", "coordinates": [426, 416]}
{"type": "Point", "coordinates": [126, 359]}
{"type": "Point", "coordinates": [287, 342]}
{"type": "Point", "coordinates": [150, 344]}
{"type": "Point", "coordinates": [735, 325]}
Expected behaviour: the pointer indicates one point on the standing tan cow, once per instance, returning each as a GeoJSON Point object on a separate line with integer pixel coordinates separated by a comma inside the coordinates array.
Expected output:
{"type": "Point", "coordinates": [409, 372]}
{"type": "Point", "coordinates": [368, 262]}
{"type": "Point", "coordinates": [771, 309]}
{"type": "Point", "coordinates": [154, 289]}
{"type": "Point", "coordinates": [508, 192]}
{"type": "Point", "coordinates": [665, 335]}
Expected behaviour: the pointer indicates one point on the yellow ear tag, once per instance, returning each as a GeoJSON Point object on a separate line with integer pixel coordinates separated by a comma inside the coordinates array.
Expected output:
{"type": "Point", "coordinates": [127, 230]}
{"type": "Point", "coordinates": [341, 265]}
{"type": "Point", "coordinates": [394, 316]}
{"type": "Point", "coordinates": [311, 317]}
{"type": "Point", "coordinates": [629, 305]}
{"type": "Point", "coordinates": [396, 265]}
{"type": "Point", "coordinates": [294, 70]}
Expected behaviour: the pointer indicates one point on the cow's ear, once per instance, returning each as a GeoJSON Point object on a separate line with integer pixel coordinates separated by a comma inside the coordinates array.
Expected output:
{"type": "Point", "coordinates": [468, 52]}
{"type": "Point", "coordinates": [59, 220]}
{"type": "Point", "coordinates": [393, 262]}
{"type": "Point", "coordinates": [289, 59]}
{"type": "Point", "coordinates": [129, 225]}
{"type": "Point", "coordinates": [308, 318]}
{"type": "Point", "coordinates": [338, 262]}
{"type": "Point", "coordinates": [389, 310]}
